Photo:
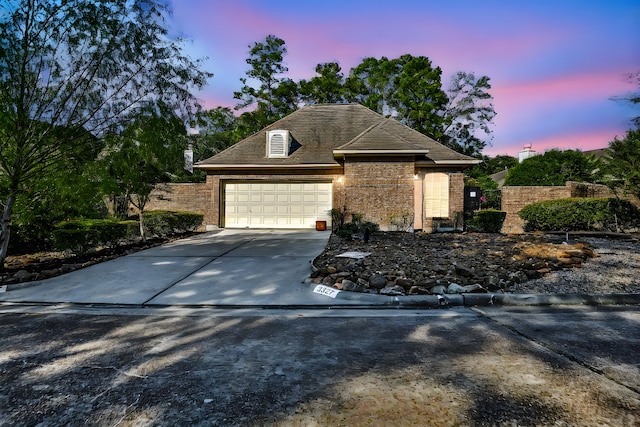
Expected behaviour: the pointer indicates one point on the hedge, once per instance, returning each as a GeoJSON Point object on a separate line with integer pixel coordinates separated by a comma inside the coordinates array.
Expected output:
{"type": "Point", "coordinates": [82, 235]}
{"type": "Point", "coordinates": [486, 221]}
{"type": "Point", "coordinates": [165, 223]}
{"type": "Point", "coordinates": [581, 214]}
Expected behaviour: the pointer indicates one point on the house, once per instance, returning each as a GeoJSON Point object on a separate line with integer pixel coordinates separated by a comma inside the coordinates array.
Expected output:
{"type": "Point", "coordinates": [342, 156]}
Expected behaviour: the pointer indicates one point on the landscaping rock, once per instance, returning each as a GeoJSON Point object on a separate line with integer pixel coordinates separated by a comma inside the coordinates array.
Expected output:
{"type": "Point", "coordinates": [433, 261]}
{"type": "Point", "coordinates": [454, 288]}
{"type": "Point", "coordinates": [348, 285]}
{"type": "Point", "coordinates": [393, 290]}
{"type": "Point", "coordinates": [377, 281]}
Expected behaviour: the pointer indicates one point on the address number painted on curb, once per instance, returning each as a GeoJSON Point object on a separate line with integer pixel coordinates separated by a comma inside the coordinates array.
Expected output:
{"type": "Point", "coordinates": [326, 290]}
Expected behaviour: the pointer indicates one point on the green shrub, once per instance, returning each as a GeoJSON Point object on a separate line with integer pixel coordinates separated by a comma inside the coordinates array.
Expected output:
{"type": "Point", "coordinates": [580, 214]}
{"type": "Point", "coordinates": [84, 234]}
{"type": "Point", "coordinates": [356, 226]}
{"type": "Point", "coordinates": [166, 223]}
{"type": "Point", "coordinates": [486, 221]}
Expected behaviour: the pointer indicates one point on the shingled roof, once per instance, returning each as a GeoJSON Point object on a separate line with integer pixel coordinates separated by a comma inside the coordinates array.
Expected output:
{"type": "Point", "coordinates": [322, 134]}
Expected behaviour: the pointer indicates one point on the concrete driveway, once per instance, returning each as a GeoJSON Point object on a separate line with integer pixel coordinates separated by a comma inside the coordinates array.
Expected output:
{"type": "Point", "coordinates": [226, 268]}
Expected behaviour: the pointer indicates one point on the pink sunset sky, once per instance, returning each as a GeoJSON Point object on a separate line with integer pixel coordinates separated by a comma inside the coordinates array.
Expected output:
{"type": "Point", "coordinates": [554, 64]}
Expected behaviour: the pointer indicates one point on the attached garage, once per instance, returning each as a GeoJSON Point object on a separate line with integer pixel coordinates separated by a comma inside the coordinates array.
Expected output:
{"type": "Point", "coordinates": [272, 204]}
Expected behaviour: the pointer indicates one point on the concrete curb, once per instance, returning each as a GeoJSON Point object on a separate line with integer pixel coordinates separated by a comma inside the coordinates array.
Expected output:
{"type": "Point", "coordinates": [472, 300]}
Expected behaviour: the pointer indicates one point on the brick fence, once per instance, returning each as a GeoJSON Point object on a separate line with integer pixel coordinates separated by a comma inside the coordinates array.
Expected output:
{"type": "Point", "coordinates": [191, 197]}
{"type": "Point", "coordinates": [516, 198]}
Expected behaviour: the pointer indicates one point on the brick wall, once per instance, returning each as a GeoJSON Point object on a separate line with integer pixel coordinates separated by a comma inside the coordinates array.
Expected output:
{"type": "Point", "coordinates": [516, 198]}
{"type": "Point", "coordinates": [381, 191]}
{"type": "Point", "coordinates": [456, 199]}
{"type": "Point", "coordinates": [191, 197]}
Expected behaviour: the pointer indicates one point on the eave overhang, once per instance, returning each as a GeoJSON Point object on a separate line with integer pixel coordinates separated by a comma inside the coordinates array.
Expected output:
{"type": "Point", "coordinates": [343, 153]}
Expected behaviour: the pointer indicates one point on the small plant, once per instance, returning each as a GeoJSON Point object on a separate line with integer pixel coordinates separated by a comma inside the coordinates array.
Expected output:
{"type": "Point", "coordinates": [401, 222]}
{"type": "Point", "coordinates": [486, 221]}
{"type": "Point", "coordinates": [337, 218]}
{"type": "Point", "coordinates": [355, 227]}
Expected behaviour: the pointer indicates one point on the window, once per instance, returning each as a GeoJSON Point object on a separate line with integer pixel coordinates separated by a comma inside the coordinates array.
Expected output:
{"type": "Point", "coordinates": [436, 195]}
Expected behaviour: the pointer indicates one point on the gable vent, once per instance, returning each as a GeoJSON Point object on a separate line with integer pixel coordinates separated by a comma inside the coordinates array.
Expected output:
{"type": "Point", "coordinates": [278, 142]}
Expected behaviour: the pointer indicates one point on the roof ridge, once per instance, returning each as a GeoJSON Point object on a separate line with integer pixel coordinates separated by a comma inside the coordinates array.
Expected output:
{"type": "Point", "coordinates": [360, 135]}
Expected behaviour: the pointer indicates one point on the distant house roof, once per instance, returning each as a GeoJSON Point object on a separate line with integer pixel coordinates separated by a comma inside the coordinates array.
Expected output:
{"type": "Point", "coordinates": [323, 134]}
{"type": "Point", "coordinates": [598, 153]}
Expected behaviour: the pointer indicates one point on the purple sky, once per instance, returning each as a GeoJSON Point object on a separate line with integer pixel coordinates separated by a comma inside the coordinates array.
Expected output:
{"type": "Point", "coordinates": [553, 64]}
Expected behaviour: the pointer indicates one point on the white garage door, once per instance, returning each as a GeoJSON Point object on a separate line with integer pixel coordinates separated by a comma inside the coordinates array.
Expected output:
{"type": "Point", "coordinates": [276, 204]}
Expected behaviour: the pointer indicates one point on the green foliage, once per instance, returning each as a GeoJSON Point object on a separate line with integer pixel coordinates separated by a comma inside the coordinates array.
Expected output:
{"type": "Point", "coordinates": [338, 217]}
{"type": "Point", "coordinates": [73, 68]}
{"type": "Point", "coordinates": [275, 96]}
{"type": "Point", "coordinates": [623, 165]}
{"type": "Point", "coordinates": [143, 155]}
{"type": "Point", "coordinates": [468, 114]}
{"type": "Point", "coordinates": [491, 165]}
{"type": "Point", "coordinates": [218, 130]}
{"type": "Point", "coordinates": [355, 226]}
{"type": "Point", "coordinates": [486, 221]}
{"type": "Point", "coordinates": [491, 194]}
{"type": "Point", "coordinates": [166, 223]}
{"type": "Point", "coordinates": [555, 167]}
{"type": "Point", "coordinates": [408, 88]}
{"type": "Point", "coordinates": [327, 87]}
{"type": "Point", "coordinates": [85, 234]}
{"type": "Point", "coordinates": [580, 214]}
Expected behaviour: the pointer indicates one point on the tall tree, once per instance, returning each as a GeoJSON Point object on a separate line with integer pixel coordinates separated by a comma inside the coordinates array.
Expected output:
{"type": "Point", "coordinates": [326, 88]}
{"type": "Point", "coordinates": [632, 97]}
{"type": "Point", "coordinates": [417, 95]}
{"type": "Point", "coordinates": [555, 167]}
{"type": "Point", "coordinates": [623, 164]}
{"type": "Point", "coordinates": [275, 96]}
{"type": "Point", "coordinates": [84, 66]}
{"type": "Point", "coordinates": [370, 84]}
{"type": "Point", "coordinates": [408, 88]}
{"type": "Point", "coordinates": [145, 154]}
{"type": "Point", "coordinates": [468, 114]}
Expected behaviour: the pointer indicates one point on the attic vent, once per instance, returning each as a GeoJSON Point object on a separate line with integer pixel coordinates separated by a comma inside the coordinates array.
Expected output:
{"type": "Point", "coordinates": [278, 142]}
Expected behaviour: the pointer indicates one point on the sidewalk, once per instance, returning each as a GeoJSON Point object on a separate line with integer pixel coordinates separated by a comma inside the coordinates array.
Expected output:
{"type": "Point", "coordinates": [243, 268]}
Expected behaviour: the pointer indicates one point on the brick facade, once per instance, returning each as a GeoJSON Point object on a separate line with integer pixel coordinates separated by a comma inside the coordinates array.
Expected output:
{"type": "Point", "coordinates": [382, 191]}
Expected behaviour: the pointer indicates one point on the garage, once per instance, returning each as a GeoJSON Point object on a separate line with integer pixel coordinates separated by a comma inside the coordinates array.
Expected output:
{"type": "Point", "coordinates": [268, 204]}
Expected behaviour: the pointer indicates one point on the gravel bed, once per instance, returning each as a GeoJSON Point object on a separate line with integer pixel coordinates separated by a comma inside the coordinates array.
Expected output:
{"type": "Point", "coordinates": [615, 269]}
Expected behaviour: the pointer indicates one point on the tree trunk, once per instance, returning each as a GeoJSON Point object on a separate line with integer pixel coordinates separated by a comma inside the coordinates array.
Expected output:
{"type": "Point", "coordinates": [140, 221]}
{"type": "Point", "coordinates": [5, 230]}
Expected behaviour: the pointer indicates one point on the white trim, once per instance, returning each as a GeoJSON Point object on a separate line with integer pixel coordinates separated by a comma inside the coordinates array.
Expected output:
{"type": "Point", "coordinates": [270, 166]}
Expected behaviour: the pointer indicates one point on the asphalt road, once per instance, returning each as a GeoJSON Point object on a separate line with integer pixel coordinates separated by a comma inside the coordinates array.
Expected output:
{"type": "Point", "coordinates": [561, 366]}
